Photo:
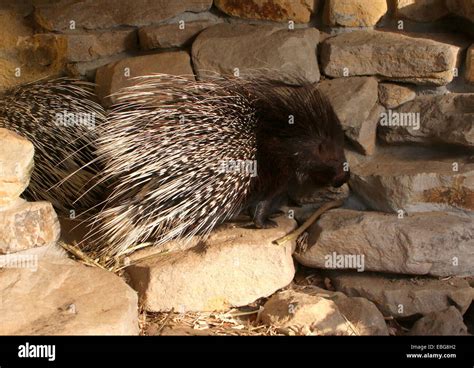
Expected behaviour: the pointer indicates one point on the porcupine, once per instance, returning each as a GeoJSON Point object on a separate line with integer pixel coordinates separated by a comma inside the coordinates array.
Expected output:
{"type": "Point", "coordinates": [59, 116]}
{"type": "Point", "coordinates": [167, 137]}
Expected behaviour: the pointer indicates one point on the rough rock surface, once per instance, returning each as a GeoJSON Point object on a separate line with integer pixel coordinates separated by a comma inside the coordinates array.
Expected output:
{"type": "Point", "coordinates": [62, 297]}
{"type": "Point", "coordinates": [277, 10]}
{"type": "Point", "coordinates": [413, 181]}
{"type": "Point", "coordinates": [16, 165]}
{"type": "Point", "coordinates": [88, 69]}
{"type": "Point", "coordinates": [439, 119]}
{"type": "Point", "coordinates": [284, 54]}
{"type": "Point", "coordinates": [96, 14]}
{"type": "Point", "coordinates": [302, 314]}
{"type": "Point", "coordinates": [431, 243]}
{"type": "Point", "coordinates": [403, 297]}
{"type": "Point", "coordinates": [87, 46]}
{"type": "Point", "coordinates": [322, 312]}
{"type": "Point", "coordinates": [448, 322]}
{"type": "Point", "coordinates": [114, 76]}
{"type": "Point", "coordinates": [389, 55]}
{"type": "Point", "coordinates": [422, 11]}
{"type": "Point", "coordinates": [354, 100]}
{"type": "Point", "coordinates": [26, 225]}
{"type": "Point", "coordinates": [235, 267]}
{"type": "Point", "coordinates": [393, 95]}
{"type": "Point", "coordinates": [354, 13]}
{"type": "Point", "coordinates": [171, 35]}
{"type": "Point", "coordinates": [14, 28]}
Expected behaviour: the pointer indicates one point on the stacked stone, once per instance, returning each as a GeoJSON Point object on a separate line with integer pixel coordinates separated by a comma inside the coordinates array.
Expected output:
{"type": "Point", "coordinates": [24, 225]}
{"type": "Point", "coordinates": [412, 191]}
{"type": "Point", "coordinates": [80, 300]}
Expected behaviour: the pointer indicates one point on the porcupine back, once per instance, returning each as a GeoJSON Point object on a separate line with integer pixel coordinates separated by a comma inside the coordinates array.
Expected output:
{"type": "Point", "coordinates": [163, 147]}
{"type": "Point", "coordinates": [64, 159]}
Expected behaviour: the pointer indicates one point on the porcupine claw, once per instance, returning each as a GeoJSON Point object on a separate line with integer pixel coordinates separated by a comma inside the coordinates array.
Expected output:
{"type": "Point", "coordinates": [261, 215]}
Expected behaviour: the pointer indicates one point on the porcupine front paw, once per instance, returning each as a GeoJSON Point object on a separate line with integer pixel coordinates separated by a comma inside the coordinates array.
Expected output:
{"type": "Point", "coordinates": [261, 217]}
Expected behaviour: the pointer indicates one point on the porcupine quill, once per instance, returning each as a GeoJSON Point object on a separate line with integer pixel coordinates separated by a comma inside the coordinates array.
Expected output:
{"type": "Point", "coordinates": [59, 116]}
{"type": "Point", "coordinates": [166, 139]}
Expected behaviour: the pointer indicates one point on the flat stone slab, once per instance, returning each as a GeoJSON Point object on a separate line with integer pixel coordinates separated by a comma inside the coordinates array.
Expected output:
{"type": "Point", "coordinates": [404, 297]}
{"type": "Point", "coordinates": [276, 10]}
{"type": "Point", "coordinates": [172, 35]}
{"type": "Point", "coordinates": [409, 180]}
{"type": "Point", "coordinates": [56, 296]}
{"type": "Point", "coordinates": [447, 119]}
{"type": "Point", "coordinates": [117, 75]}
{"type": "Point", "coordinates": [350, 13]}
{"type": "Point", "coordinates": [98, 14]}
{"type": "Point", "coordinates": [354, 100]}
{"type": "Point", "coordinates": [390, 56]}
{"type": "Point", "coordinates": [431, 243]}
{"type": "Point", "coordinates": [235, 267]}
{"type": "Point", "coordinates": [270, 51]}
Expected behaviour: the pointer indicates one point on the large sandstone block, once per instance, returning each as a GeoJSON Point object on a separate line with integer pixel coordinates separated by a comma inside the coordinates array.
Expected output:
{"type": "Point", "coordinates": [354, 13]}
{"type": "Point", "coordinates": [112, 77]}
{"type": "Point", "coordinates": [235, 267]}
{"type": "Point", "coordinates": [61, 297]}
{"type": "Point", "coordinates": [354, 100]}
{"type": "Point", "coordinates": [276, 10]}
{"type": "Point", "coordinates": [282, 54]}
{"type": "Point", "coordinates": [16, 165]}
{"type": "Point", "coordinates": [97, 14]}
{"type": "Point", "coordinates": [404, 297]}
{"type": "Point", "coordinates": [431, 119]}
{"type": "Point", "coordinates": [429, 243]}
{"type": "Point", "coordinates": [171, 35]}
{"type": "Point", "coordinates": [95, 45]}
{"type": "Point", "coordinates": [88, 69]}
{"type": "Point", "coordinates": [390, 56]}
{"type": "Point", "coordinates": [411, 180]}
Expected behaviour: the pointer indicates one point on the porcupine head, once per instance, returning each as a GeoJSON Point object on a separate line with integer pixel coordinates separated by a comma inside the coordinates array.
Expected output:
{"type": "Point", "coordinates": [299, 138]}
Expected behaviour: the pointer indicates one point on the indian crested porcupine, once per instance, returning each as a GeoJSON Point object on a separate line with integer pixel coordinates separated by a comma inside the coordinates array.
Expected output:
{"type": "Point", "coordinates": [59, 117]}
{"type": "Point", "coordinates": [181, 155]}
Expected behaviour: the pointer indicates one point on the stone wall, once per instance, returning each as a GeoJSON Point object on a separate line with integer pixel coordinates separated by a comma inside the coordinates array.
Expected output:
{"type": "Point", "coordinates": [400, 76]}
{"type": "Point", "coordinates": [423, 42]}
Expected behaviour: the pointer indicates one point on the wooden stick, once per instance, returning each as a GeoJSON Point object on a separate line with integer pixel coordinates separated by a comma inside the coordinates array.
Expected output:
{"type": "Point", "coordinates": [296, 233]}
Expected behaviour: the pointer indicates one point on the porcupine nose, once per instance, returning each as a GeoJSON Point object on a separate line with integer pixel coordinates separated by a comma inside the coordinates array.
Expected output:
{"type": "Point", "coordinates": [341, 178]}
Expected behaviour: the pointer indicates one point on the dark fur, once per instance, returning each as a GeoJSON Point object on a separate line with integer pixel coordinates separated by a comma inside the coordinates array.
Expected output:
{"type": "Point", "coordinates": [309, 149]}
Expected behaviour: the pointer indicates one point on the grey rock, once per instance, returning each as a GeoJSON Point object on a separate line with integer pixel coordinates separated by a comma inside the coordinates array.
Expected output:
{"type": "Point", "coordinates": [431, 243]}
{"type": "Point", "coordinates": [279, 53]}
